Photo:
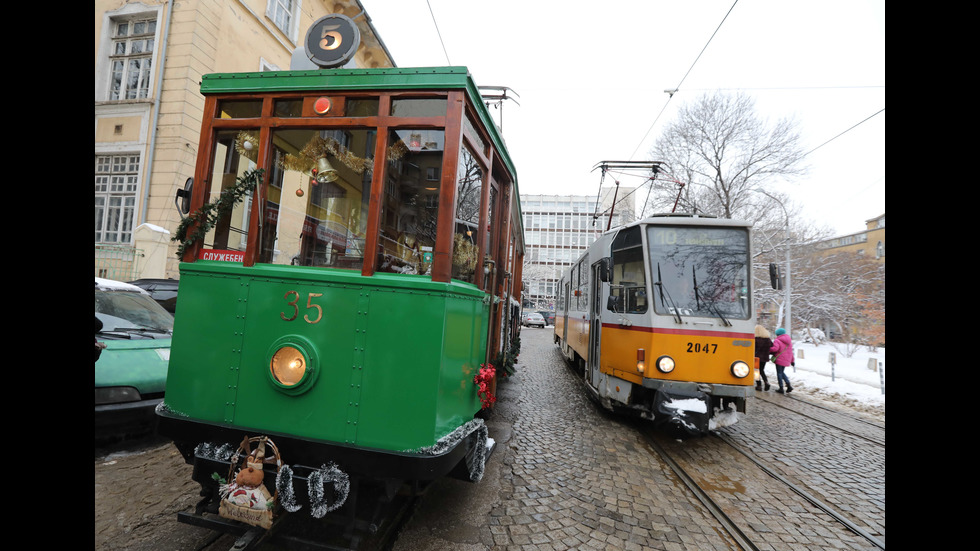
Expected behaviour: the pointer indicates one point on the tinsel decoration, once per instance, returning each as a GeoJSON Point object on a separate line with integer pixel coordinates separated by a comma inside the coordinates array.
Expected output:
{"type": "Point", "coordinates": [205, 218]}
{"type": "Point", "coordinates": [214, 452]}
{"type": "Point", "coordinates": [284, 489]}
{"type": "Point", "coordinates": [246, 144]}
{"type": "Point", "coordinates": [317, 147]}
{"type": "Point", "coordinates": [476, 461]}
{"type": "Point", "coordinates": [305, 160]}
{"type": "Point", "coordinates": [319, 506]}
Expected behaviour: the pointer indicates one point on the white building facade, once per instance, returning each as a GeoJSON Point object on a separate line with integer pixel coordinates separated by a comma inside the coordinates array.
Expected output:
{"type": "Point", "coordinates": [557, 230]}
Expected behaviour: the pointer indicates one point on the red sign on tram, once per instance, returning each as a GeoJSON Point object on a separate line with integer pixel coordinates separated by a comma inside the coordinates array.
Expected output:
{"type": "Point", "coordinates": [222, 255]}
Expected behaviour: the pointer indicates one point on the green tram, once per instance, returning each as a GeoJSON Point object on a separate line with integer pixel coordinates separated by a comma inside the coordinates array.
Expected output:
{"type": "Point", "coordinates": [360, 264]}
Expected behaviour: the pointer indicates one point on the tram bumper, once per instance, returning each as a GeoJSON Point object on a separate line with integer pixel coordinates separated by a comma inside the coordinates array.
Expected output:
{"type": "Point", "coordinates": [685, 408]}
{"type": "Point", "coordinates": [682, 412]}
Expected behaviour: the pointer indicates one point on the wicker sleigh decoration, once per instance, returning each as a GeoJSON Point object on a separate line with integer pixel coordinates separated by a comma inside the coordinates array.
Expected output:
{"type": "Point", "coordinates": [245, 498]}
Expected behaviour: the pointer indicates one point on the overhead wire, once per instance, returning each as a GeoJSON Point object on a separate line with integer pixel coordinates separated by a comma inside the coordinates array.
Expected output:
{"type": "Point", "coordinates": [439, 34]}
{"type": "Point", "coordinates": [846, 131]}
{"type": "Point", "coordinates": [678, 87]}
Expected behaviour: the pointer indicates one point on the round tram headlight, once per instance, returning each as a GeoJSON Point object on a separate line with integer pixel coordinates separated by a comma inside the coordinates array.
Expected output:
{"type": "Point", "coordinates": [741, 369]}
{"type": "Point", "coordinates": [288, 366]}
{"type": "Point", "coordinates": [292, 364]}
{"type": "Point", "coordinates": [665, 364]}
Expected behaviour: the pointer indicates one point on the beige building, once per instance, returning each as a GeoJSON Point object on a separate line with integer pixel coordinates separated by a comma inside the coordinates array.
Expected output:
{"type": "Point", "coordinates": [869, 243]}
{"type": "Point", "coordinates": [149, 58]}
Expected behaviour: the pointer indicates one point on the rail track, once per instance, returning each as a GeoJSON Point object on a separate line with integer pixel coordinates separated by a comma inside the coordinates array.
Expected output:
{"type": "Point", "coordinates": [737, 488]}
{"type": "Point", "coordinates": [856, 425]}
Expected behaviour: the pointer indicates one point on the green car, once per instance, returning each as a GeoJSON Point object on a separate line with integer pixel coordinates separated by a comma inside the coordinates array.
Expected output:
{"type": "Point", "coordinates": [131, 368]}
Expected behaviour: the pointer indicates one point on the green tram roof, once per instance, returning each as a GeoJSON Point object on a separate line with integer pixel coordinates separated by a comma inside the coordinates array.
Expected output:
{"type": "Point", "coordinates": [419, 78]}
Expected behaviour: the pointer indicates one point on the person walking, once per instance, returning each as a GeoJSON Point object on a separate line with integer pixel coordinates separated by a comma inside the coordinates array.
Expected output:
{"type": "Point", "coordinates": [782, 356]}
{"type": "Point", "coordinates": [763, 342]}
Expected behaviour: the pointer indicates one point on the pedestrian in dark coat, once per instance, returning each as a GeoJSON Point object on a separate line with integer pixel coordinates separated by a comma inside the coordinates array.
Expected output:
{"type": "Point", "coordinates": [763, 343]}
{"type": "Point", "coordinates": [782, 356]}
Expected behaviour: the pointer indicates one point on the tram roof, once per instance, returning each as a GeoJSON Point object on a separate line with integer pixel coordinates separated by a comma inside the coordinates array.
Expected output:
{"type": "Point", "coordinates": [396, 78]}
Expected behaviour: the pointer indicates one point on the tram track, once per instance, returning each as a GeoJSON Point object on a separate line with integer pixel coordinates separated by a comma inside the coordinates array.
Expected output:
{"type": "Point", "coordinates": [870, 435]}
{"type": "Point", "coordinates": [727, 511]}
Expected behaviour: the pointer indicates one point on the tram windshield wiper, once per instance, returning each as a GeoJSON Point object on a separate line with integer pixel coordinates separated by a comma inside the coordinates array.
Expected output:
{"type": "Point", "coordinates": [713, 308]}
{"type": "Point", "coordinates": [711, 305]}
{"type": "Point", "coordinates": [663, 292]}
{"type": "Point", "coordinates": [135, 330]}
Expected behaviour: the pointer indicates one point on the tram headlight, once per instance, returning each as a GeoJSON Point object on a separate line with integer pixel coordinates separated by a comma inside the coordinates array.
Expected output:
{"type": "Point", "coordinates": [292, 364]}
{"type": "Point", "coordinates": [288, 366]}
{"type": "Point", "coordinates": [665, 364]}
{"type": "Point", "coordinates": [741, 369]}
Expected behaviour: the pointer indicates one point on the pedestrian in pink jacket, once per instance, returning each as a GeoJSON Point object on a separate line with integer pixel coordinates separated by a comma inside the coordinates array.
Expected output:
{"type": "Point", "coordinates": [782, 354]}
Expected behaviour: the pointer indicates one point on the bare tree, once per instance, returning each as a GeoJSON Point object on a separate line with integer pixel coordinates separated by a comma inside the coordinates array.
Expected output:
{"type": "Point", "coordinates": [722, 151]}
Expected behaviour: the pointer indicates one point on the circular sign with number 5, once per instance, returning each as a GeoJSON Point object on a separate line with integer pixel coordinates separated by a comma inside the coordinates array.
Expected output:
{"type": "Point", "coordinates": [332, 40]}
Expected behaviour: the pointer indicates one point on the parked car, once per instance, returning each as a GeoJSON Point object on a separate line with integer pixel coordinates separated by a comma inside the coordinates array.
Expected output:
{"type": "Point", "coordinates": [163, 291]}
{"type": "Point", "coordinates": [549, 317]}
{"type": "Point", "coordinates": [533, 319]}
{"type": "Point", "coordinates": [131, 371]}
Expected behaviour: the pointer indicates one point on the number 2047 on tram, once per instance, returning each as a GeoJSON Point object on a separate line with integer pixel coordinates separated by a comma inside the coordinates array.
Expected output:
{"type": "Point", "coordinates": [357, 275]}
{"type": "Point", "coordinates": [658, 316]}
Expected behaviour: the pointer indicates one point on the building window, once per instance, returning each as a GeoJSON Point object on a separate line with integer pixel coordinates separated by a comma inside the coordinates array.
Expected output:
{"type": "Point", "coordinates": [116, 178]}
{"type": "Point", "coordinates": [133, 41]}
{"type": "Point", "coordinates": [285, 15]}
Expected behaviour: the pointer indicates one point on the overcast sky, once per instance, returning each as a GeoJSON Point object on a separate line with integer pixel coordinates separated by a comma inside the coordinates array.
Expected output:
{"type": "Point", "coordinates": [591, 76]}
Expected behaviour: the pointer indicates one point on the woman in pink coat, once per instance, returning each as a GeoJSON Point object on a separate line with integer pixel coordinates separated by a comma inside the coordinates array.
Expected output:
{"type": "Point", "coordinates": [782, 353]}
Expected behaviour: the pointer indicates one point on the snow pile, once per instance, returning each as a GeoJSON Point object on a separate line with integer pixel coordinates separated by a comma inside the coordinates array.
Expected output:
{"type": "Point", "coordinates": [850, 379]}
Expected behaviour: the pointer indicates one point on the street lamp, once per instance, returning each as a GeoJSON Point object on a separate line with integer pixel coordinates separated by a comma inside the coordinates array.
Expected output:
{"type": "Point", "coordinates": [786, 287]}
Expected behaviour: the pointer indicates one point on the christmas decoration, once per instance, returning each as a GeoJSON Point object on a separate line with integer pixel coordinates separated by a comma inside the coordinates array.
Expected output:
{"type": "Point", "coordinates": [476, 461]}
{"type": "Point", "coordinates": [483, 380]}
{"type": "Point", "coordinates": [319, 505]}
{"type": "Point", "coordinates": [246, 499]}
{"type": "Point", "coordinates": [205, 218]}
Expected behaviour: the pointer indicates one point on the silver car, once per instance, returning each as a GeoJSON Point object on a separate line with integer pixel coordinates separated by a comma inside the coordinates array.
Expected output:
{"type": "Point", "coordinates": [534, 319]}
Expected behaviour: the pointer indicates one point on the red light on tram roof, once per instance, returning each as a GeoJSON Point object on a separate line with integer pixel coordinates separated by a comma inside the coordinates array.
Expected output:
{"type": "Point", "coordinates": [321, 106]}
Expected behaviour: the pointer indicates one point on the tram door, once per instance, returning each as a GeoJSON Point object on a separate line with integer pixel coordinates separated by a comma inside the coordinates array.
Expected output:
{"type": "Point", "coordinates": [566, 293]}
{"type": "Point", "coordinates": [595, 327]}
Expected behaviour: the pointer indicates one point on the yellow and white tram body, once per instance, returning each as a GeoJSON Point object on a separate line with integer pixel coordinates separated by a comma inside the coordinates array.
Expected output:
{"type": "Point", "coordinates": [659, 317]}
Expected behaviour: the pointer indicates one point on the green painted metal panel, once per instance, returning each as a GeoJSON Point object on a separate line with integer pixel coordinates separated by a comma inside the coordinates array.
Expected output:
{"type": "Point", "coordinates": [394, 354]}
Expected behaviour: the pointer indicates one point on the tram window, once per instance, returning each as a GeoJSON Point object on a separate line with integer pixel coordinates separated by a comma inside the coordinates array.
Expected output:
{"type": "Point", "coordinates": [240, 109]}
{"type": "Point", "coordinates": [317, 203]}
{"type": "Point", "coordinates": [288, 108]}
{"type": "Point", "coordinates": [362, 107]}
{"type": "Point", "coordinates": [470, 131]}
{"type": "Point", "coordinates": [410, 202]}
{"type": "Point", "coordinates": [420, 107]}
{"type": "Point", "coordinates": [628, 287]}
{"type": "Point", "coordinates": [469, 188]}
{"type": "Point", "coordinates": [234, 155]}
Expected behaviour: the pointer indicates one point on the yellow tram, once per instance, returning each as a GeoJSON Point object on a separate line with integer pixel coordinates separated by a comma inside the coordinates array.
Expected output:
{"type": "Point", "coordinates": [658, 316]}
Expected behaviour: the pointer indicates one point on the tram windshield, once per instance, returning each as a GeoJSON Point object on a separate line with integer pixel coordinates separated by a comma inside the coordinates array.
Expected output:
{"type": "Point", "coordinates": [316, 212]}
{"type": "Point", "coordinates": [699, 272]}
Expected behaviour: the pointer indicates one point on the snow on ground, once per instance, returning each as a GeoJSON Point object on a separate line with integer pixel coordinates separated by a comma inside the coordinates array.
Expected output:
{"type": "Point", "coordinates": [849, 382]}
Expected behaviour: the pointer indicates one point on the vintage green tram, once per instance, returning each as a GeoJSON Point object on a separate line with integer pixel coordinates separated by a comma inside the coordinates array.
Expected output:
{"type": "Point", "coordinates": [358, 269]}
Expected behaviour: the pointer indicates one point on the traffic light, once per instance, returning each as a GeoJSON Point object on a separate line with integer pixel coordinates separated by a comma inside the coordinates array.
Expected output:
{"type": "Point", "coordinates": [774, 277]}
